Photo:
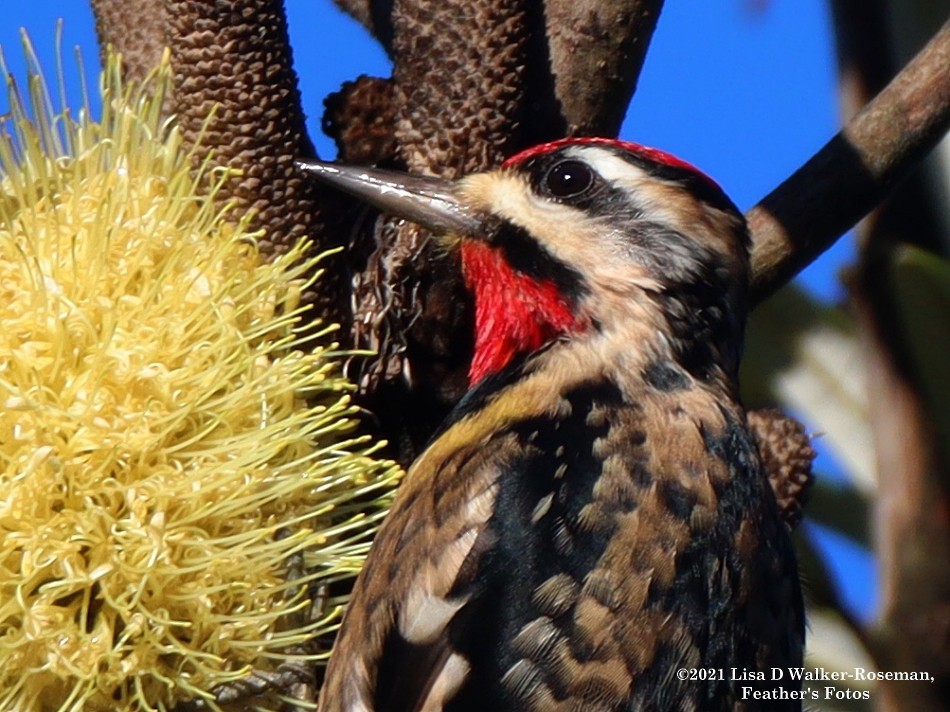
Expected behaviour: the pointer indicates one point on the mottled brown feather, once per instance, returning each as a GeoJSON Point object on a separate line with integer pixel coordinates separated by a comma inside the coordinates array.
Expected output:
{"type": "Point", "coordinates": [590, 639]}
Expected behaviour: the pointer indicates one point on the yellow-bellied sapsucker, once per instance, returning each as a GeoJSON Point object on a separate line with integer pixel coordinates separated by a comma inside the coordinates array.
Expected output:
{"type": "Point", "coordinates": [593, 518]}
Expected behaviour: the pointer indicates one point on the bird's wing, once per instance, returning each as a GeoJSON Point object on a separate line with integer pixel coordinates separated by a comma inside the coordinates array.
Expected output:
{"type": "Point", "coordinates": [571, 557]}
{"type": "Point", "coordinates": [395, 651]}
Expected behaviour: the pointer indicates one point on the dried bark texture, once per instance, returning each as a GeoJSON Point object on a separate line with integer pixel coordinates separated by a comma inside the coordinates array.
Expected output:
{"type": "Point", "coordinates": [136, 30]}
{"type": "Point", "coordinates": [853, 172]}
{"type": "Point", "coordinates": [597, 50]}
{"type": "Point", "coordinates": [236, 92]}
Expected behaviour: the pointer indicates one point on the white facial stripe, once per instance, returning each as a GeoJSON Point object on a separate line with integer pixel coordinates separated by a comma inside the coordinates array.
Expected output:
{"type": "Point", "coordinates": [611, 167]}
{"type": "Point", "coordinates": [659, 200]}
{"type": "Point", "coordinates": [510, 197]}
{"type": "Point", "coordinates": [568, 233]}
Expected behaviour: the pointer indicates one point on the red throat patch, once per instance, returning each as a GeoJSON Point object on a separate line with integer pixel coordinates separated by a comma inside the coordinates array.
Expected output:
{"type": "Point", "coordinates": [514, 313]}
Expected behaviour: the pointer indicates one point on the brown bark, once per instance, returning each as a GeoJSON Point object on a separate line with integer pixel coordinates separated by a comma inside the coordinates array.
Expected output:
{"type": "Point", "coordinates": [912, 523]}
{"type": "Point", "coordinates": [374, 15]}
{"type": "Point", "coordinates": [840, 184]}
{"type": "Point", "coordinates": [360, 10]}
{"type": "Point", "coordinates": [597, 50]}
{"type": "Point", "coordinates": [912, 509]}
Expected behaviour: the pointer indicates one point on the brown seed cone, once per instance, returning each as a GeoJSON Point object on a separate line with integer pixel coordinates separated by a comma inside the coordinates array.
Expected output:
{"type": "Point", "coordinates": [234, 59]}
{"type": "Point", "coordinates": [458, 73]}
{"type": "Point", "coordinates": [361, 119]}
{"type": "Point", "coordinates": [458, 88]}
{"type": "Point", "coordinates": [134, 30]}
{"type": "Point", "coordinates": [787, 455]}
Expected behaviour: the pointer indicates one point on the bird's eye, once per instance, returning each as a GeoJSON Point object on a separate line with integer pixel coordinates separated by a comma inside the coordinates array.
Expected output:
{"type": "Point", "coordinates": [568, 179]}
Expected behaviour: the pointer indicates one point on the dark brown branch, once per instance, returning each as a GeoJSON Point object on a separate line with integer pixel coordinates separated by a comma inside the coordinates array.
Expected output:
{"type": "Point", "coordinates": [232, 62]}
{"type": "Point", "coordinates": [805, 215]}
{"type": "Point", "coordinates": [864, 51]}
{"type": "Point", "coordinates": [134, 29]}
{"type": "Point", "coordinates": [913, 530]}
{"type": "Point", "coordinates": [360, 10]}
{"type": "Point", "coordinates": [597, 49]}
{"type": "Point", "coordinates": [912, 534]}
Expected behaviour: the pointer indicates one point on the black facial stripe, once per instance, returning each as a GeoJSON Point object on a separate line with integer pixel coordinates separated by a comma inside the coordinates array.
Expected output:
{"type": "Point", "coordinates": [600, 200]}
{"type": "Point", "coordinates": [528, 256]}
{"type": "Point", "coordinates": [696, 183]}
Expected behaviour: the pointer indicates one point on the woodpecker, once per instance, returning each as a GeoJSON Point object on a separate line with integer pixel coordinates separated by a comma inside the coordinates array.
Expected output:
{"type": "Point", "coordinates": [592, 527]}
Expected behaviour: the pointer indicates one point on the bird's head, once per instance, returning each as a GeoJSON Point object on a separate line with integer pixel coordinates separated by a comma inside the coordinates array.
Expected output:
{"type": "Point", "coordinates": [580, 237]}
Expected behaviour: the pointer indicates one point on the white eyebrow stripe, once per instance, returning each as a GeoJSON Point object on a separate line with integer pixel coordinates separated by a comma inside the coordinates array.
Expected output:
{"type": "Point", "coordinates": [610, 166]}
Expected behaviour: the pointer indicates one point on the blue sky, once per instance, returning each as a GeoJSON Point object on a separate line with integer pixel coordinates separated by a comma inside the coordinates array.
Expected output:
{"type": "Point", "coordinates": [744, 89]}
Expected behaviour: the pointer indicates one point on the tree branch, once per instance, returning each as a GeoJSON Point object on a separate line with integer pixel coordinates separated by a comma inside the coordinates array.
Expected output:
{"type": "Point", "coordinates": [849, 176]}
{"type": "Point", "coordinates": [912, 540]}
{"type": "Point", "coordinates": [913, 532]}
{"type": "Point", "coordinates": [597, 49]}
{"type": "Point", "coordinates": [374, 15]}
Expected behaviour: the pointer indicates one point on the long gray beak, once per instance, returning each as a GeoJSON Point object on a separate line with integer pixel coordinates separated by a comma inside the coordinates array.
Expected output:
{"type": "Point", "coordinates": [430, 202]}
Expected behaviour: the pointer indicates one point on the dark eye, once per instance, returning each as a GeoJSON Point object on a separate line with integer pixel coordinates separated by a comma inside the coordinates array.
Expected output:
{"type": "Point", "coordinates": [568, 179]}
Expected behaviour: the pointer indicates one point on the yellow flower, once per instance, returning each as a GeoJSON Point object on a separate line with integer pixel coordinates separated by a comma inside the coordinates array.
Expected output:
{"type": "Point", "coordinates": [177, 465]}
